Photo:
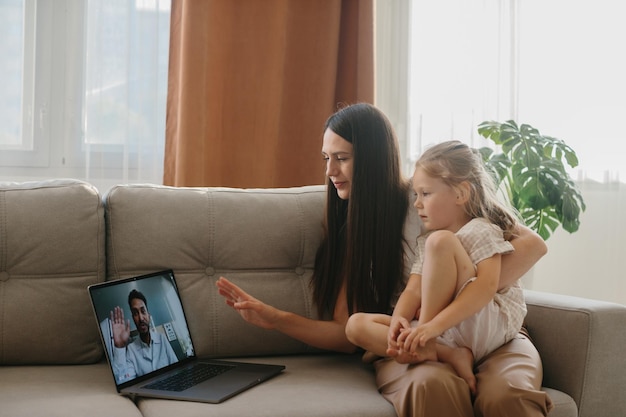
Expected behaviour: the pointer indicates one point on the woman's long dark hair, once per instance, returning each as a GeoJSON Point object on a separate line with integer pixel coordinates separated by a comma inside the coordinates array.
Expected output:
{"type": "Point", "coordinates": [363, 239]}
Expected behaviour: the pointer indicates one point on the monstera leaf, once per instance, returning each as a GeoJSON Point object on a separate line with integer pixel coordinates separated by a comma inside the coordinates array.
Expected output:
{"type": "Point", "coordinates": [530, 169]}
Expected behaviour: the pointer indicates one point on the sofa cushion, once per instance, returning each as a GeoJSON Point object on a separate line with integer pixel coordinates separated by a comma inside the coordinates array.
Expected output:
{"type": "Point", "coordinates": [311, 385]}
{"type": "Point", "coordinates": [62, 391]}
{"type": "Point", "coordinates": [205, 233]}
{"type": "Point", "coordinates": [51, 249]}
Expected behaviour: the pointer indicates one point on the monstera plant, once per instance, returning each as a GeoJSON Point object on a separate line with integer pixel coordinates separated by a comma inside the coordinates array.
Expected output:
{"type": "Point", "coordinates": [530, 170]}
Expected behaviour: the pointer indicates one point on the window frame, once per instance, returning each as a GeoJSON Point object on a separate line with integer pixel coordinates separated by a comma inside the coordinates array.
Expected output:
{"type": "Point", "coordinates": [55, 109]}
{"type": "Point", "coordinates": [34, 148]}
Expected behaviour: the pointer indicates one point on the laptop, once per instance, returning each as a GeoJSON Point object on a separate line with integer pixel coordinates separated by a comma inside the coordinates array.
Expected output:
{"type": "Point", "coordinates": [166, 367]}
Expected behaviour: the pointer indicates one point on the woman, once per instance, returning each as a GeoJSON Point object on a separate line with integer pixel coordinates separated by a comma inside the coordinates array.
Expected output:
{"type": "Point", "coordinates": [361, 266]}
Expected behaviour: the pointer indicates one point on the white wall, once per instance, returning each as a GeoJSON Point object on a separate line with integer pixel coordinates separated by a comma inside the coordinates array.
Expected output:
{"type": "Point", "coordinates": [590, 262]}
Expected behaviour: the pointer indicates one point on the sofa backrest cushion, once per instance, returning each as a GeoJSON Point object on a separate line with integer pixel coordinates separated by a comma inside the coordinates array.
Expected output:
{"type": "Point", "coordinates": [264, 240]}
{"type": "Point", "coordinates": [51, 248]}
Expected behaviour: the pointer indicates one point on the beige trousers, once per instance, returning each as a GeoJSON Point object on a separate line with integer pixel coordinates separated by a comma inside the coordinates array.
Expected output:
{"type": "Point", "coordinates": [509, 382]}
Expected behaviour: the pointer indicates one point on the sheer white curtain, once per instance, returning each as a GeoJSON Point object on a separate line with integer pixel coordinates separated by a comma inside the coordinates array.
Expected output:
{"type": "Point", "coordinates": [462, 70]}
{"type": "Point", "coordinates": [459, 58]}
{"type": "Point", "coordinates": [556, 65]}
{"type": "Point", "coordinates": [88, 85]}
{"type": "Point", "coordinates": [125, 89]}
{"type": "Point", "coordinates": [571, 79]}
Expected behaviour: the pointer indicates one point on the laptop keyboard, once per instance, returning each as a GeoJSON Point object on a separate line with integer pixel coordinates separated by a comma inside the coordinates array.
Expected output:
{"type": "Point", "coordinates": [189, 377]}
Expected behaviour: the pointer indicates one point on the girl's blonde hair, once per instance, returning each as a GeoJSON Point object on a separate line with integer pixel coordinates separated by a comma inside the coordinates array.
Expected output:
{"type": "Point", "coordinates": [454, 162]}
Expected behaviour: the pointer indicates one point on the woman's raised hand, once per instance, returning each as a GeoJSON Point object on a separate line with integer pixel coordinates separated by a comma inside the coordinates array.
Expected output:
{"type": "Point", "coordinates": [251, 310]}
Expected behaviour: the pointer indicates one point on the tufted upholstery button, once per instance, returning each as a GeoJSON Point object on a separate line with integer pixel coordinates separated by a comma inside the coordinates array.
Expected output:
{"type": "Point", "coordinates": [210, 271]}
{"type": "Point", "coordinates": [299, 270]}
{"type": "Point", "coordinates": [4, 276]}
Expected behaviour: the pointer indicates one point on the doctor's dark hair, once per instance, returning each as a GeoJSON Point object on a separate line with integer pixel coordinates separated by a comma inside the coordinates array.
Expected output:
{"type": "Point", "coordinates": [363, 236]}
{"type": "Point", "coordinates": [138, 295]}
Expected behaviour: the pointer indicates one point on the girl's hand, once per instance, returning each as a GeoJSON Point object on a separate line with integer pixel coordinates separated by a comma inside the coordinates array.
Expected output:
{"type": "Point", "coordinates": [419, 336]}
{"type": "Point", "coordinates": [251, 310]}
{"type": "Point", "coordinates": [396, 327]}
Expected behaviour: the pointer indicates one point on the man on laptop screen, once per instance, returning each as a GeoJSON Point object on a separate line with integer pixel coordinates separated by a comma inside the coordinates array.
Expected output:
{"type": "Point", "coordinates": [159, 336]}
{"type": "Point", "coordinates": [149, 351]}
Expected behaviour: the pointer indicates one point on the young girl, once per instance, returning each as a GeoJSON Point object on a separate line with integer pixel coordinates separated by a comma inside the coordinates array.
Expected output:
{"type": "Point", "coordinates": [466, 228]}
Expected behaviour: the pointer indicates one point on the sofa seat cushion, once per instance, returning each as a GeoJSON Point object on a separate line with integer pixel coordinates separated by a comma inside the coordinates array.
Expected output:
{"type": "Point", "coordinates": [61, 391]}
{"type": "Point", "coordinates": [311, 385]}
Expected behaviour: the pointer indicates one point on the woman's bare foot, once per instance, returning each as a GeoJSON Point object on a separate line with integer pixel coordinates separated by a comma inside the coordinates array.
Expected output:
{"type": "Point", "coordinates": [462, 360]}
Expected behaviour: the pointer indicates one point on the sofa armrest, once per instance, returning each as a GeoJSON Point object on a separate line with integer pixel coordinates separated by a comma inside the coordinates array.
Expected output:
{"type": "Point", "coordinates": [581, 343]}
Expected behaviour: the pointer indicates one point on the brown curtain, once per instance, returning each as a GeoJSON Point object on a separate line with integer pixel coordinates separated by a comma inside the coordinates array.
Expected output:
{"type": "Point", "coordinates": [251, 83]}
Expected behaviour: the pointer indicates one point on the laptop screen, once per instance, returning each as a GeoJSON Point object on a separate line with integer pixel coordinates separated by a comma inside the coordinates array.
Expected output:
{"type": "Point", "coordinates": [142, 324]}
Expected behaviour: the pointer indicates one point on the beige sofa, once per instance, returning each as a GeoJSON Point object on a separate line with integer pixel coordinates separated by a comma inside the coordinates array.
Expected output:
{"type": "Point", "coordinates": [57, 237]}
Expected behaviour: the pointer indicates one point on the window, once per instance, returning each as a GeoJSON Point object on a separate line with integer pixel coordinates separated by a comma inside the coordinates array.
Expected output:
{"type": "Point", "coordinates": [460, 70]}
{"type": "Point", "coordinates": [17, 86]}
{"type": "Point", "coordinates": [521, 60]}
{"type": "Point", "coordinates": [87, 90]}
{"type": "Point", "coordinates": [571, 79]}
{"type": "Point", "coordinates": [22, 106]}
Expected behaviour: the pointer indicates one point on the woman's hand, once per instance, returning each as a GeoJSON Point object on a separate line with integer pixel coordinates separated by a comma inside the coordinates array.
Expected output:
{"type": "Point", "coordinates": [529, 248]}
{"type": "Point", "coordinates": [251, 310]}
{"type": "Point", "coordinates": [322, 334]}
